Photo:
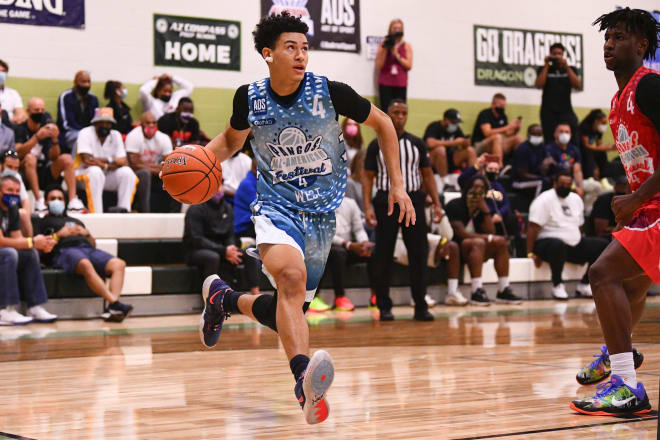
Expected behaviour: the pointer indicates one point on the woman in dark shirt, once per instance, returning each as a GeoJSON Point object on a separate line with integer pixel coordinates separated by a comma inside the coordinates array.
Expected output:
{"type": "Point", "coordinates": [115, 93]}
{"type": "Point", "coordinates": [592, 149]}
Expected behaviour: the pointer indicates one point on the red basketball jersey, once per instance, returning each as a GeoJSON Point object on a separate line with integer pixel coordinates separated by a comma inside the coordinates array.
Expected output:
{"type": "Point", "coordinates": [637, 139]}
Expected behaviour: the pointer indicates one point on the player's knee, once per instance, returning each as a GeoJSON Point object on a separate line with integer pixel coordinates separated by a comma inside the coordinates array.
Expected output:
{"type": "Point", "coordinates": [30, 160]}
{"type": "Point", "coordinates": [84, 266]}
{"type": "Point", "coordinates": [65, 160]}
{"type": "Point", "coordinates": [290, 277]}
{"type": "Point", "coordinates": [599, 274]}
{"type": "Point", "coordinates": [95, 173]}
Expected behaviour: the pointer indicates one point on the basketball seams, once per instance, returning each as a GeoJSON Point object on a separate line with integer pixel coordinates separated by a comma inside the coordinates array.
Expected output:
{"type": "Point", "coordinates": [185, 153]}
{"type": "Point", "coordinates": [195, 190]}
{"type": "Point", "coordinates": [214, 162]}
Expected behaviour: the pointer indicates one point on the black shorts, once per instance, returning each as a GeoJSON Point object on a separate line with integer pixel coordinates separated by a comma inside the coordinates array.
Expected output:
{"type": "Point", "coordinates": [45, 176]}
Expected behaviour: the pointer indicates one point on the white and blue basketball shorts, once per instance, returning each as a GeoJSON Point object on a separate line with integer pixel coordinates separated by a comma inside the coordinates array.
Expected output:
{"type": "Point", "coordinates": [310, 233]}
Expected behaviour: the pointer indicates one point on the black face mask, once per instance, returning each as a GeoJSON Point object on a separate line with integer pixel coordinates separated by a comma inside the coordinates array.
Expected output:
{"type": "Point", "coordinates": [396, 35]}
{"type": "Point", "coordinates": [499, 110]}
{"type": "Point", "coordinates": [38, 118]}
{"type": "Point", "coordinates": [563, 191]}
{"type": "Point", "coordinates": [103, 132]}
{"type": "Point", "coordinates": [492, 176]}
{"type": "Point", "coordinates": [82, 90]}
{"type": "Point", "coordinates": [165, 98]}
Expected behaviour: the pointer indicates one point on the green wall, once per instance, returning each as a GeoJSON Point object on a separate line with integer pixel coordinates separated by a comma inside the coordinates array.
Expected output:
{"type": "Point", "coordinates": [213, 106]}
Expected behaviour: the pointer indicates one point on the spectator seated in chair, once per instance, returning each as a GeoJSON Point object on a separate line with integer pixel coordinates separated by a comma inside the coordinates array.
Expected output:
{"type": "Point", "coordinates": [76, 253]}
{"type": "Point", "coordinates": [10, 99]}
{"type": "Point", "coordinates": [9, 165]}
{"type": "Point", "coordinates": [532, 164]}
{"type": "Point", "coordinates": [475, 233]}
{"type": "Point", "coordinates": [42, 159]}
{"type": "Point", "coordinates": [234, 171]}
{"type": "Point", "coordinates": [102, 165]}
{"type": "Point", "coordinates": [20, 270]}
{"type": "Point", "coordinates": [181, 125]}
{"type": "Point", "coordinates": [602, 216]}
{"type": "Point", "coordinates": [554, 235]}
{"type": "Point", "coordinates": [146, 148]}
{"type": "Point", "coordinates": [7, 137]}
{"type": "Point", "coordinates": [75, 109]}
{"type": "Point", "coordinates": [159, 97]}
{"type": "Point", "coordinates": [493, 133]}
{"type": "Point", "coordinates": [115, 93]}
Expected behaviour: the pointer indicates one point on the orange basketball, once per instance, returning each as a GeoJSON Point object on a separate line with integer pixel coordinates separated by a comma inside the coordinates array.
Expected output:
{"type": "Point", "coordinates": [191, 174]}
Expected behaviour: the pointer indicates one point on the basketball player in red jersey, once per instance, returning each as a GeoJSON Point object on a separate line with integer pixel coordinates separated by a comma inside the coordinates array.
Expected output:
{"type": "Point", "coordinates": [623, 273]}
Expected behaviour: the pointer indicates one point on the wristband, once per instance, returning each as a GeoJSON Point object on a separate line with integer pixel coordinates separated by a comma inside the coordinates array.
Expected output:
{"type": "Point", "coordinates": [30, 243]}
{"type": "Point", "coordinates": [530, 255]}
{"type": "Point", "coordinates": [443, 241]}
{"type": "Point", "coordinates": [55, 237]}
{"type": "Point", "coordinates": [490, 238]}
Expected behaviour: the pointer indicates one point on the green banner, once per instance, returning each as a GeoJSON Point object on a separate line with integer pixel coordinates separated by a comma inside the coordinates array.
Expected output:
{"type": "Point", "coordinates": [507, 57]}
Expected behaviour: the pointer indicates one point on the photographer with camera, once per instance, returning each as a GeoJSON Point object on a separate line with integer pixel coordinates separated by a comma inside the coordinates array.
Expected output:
{"type": "Point", "coordinates": [393, 61]}
{"type": "Point", "coordinates": [557, 79]}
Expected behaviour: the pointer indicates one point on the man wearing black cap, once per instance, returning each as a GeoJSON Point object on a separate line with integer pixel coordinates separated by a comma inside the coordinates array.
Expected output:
{"type": "Point", "coordinates": [448, 146]}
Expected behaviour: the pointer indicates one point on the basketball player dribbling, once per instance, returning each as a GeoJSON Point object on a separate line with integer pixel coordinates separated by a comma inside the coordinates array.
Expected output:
{"type": "Point", "coordinates": [621, 276]}
{"type": "Point", "coordinates": [301, 162]}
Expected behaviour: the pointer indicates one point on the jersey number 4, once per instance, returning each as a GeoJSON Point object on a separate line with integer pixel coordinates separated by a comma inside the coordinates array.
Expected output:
{"type": "Point", "coordinates": [629, 105]}
{"type": "Point", "coordinates": [317, 107]}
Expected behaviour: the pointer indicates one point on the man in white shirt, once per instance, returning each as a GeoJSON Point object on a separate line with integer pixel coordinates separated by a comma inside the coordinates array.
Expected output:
{"type": "Point", "coordinates": [158, 96]}
{"type": "Point", "coordinates": [554, 235]}
{"type": "Point", "coordinates": [350, 245]}
{"type": "Point", "coordinates": [146, 148]}
{"type": "Point", "coordinates": [101, 163]}
{"type": "Point", "coordinates": [10, 100]}
{"type": "Point", "coordinates": [234, 171]}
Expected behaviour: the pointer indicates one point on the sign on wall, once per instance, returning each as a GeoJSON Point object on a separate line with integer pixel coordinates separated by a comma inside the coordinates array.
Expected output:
{"type": "Point", "coordinates": [201, 43]}
{"type": "Point", "coordinates": [508, 57]}
{"type": "Point", "coordinates": [333, 24]}
{"type": "Point", "coordinates": [63, 13]}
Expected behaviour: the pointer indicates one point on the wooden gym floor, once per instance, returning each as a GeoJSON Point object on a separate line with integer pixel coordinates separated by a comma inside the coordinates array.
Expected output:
{"type": "Point", "coordinates": [497, 373]}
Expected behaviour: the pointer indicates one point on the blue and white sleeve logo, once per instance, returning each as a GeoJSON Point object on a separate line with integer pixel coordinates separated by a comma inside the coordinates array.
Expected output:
{"type": "Point", "coordinates": [296, 159]}
{"type": "Point", "coordinates": [259, 106]}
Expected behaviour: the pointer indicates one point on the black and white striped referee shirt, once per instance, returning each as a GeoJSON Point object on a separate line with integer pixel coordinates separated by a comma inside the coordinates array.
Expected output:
{"type": "Point", "coordinates": [413, 155]}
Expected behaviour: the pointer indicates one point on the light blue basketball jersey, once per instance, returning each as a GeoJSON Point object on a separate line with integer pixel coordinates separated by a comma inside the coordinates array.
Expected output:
{"type": "Point", "coordinates": [299, 149]}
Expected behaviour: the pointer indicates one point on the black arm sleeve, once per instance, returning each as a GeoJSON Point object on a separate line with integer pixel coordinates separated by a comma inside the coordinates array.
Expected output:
{"type": "Point", "coordinates": [648, 98]}
{"type": "Point", "coordinates": [348, 103]}
{"type": "Point", "coordinates": [239, 117]}
{"type": "Point", "coordinates": [371, 160]}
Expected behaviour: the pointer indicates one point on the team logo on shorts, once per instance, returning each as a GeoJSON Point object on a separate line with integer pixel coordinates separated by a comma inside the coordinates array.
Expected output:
{"type": "Point", "coordinates": [297, 159]}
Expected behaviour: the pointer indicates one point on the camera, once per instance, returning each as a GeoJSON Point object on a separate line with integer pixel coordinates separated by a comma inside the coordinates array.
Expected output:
{"type": "Point", "coordinates": [390, 39]}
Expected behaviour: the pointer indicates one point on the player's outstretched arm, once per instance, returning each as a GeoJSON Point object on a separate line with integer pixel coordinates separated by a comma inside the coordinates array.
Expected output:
{"type": "Point", "coordinates": [389, 145]}
{"type": "Point", "coordinates": [227, 143]}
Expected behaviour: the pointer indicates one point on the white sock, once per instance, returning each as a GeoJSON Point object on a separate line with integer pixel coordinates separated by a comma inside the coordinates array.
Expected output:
{"type": "Point", "coordinates": [502, 283]}
{"type": "Point", "coordinates": [623, 366]}
{"type": "Point", "coordinates": [452, 286]}
{"type": "Point", "coordinates": [476, 284]}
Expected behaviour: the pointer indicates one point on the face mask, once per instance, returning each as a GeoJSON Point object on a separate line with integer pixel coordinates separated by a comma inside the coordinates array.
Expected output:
{"type": "Point", "coordinates": [492, 176]}
{"type": "Point", "coordinates": [186, 116]}
{"type": "Point", "coordinates": [165, 98]}
{"type": "Point", "coordinates": [82, 90]}
{"type": "Point", "coordinates": [9, 173]}
{"type": "Point", "coordinates": [499, 110]}
{"type": "Point", "coordinates": [123, 93]}
{"type": "Point", "coordinates": [563, 191]}
{"type": "Point", "coordinates": [11, 200]}
{"type": "Point", "coordinates": [37, 118]}
{"type": "Point", "coordinates": [451, 128]}
{"type": "Point", "coordinates": [564, 138]}
{"type": "Point", "coordinates": [351, 130]}
{"type": "Point", "coordinates": [150, 131]}
{"type": "Point", "coordinates": [602, 128]}
{"type": "Point", "coordinates": [56, 207]}
{"type": "Point", "coordinates": [536, 140]}
{"type": "Point", "coordinates": [3, 78]}
{"type": "Point", "coordinates": [217, 197]}
{"type": "Point", "coordinates": [396, 35]}
{"type": "Point", "coordinates": [103, 131]}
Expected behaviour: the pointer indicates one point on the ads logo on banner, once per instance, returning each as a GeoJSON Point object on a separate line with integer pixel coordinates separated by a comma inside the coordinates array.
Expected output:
{"type": "Point", "coordinates": [513, 57]}
{"type": "Point", "coordinates": [197, 42]}
{"type": "Point", "coordinates": [333, 24]}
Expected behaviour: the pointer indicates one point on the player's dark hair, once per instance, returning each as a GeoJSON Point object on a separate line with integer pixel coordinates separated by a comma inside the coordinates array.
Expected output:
{"type": "Point", "coordinates": [532, 126]}
{"type": "Point", "coordinates": [465, 187]}
{"type": "Point", "coordinates": [637, 21]}
{"type": "Point", "coordinates": [183, 100]}
{"type": "Point", "coordinates": [558, 46]}
{"type": "Point", "coordinates": [5, 65]}
{"type": "Point", "coordinates": [110, 89]}
{"type": "Point", "coordinates": [270, 28]}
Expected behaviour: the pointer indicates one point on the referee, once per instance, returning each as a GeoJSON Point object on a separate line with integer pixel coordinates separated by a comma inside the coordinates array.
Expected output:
{"type": "Point", "coordinates": [416, 171]}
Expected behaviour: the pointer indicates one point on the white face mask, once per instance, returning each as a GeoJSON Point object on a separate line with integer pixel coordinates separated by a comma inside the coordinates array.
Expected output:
{"type": "Point", "coordinates": [564, 138]}
{"type": "Point", "coordinates": [602, 128]}
{"type": "Point", "coordinates": [536, 140]}
{"type": "Point", "coordinates": [452, 128]}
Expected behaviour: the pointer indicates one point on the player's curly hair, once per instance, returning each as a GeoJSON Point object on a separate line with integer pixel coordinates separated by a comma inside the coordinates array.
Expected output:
{"type": "Point", "coordinates": [637, 21]}
{"type": "Point", "coordinates": [270, 28]}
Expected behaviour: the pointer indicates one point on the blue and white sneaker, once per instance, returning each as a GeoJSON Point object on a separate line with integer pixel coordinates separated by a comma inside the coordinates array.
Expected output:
{"type": "Point", "coordinates": [313, 384]}
{"type": "Point", "coordinates": [213, 315]}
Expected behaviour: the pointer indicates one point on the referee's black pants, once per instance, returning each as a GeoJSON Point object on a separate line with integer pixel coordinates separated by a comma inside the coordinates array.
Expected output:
{"type": "Point", "coordinates": [415, 239]}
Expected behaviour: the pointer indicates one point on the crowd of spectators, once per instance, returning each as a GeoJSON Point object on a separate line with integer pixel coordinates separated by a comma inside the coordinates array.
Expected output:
{"type": "Point", "coordinates": [472, 192]}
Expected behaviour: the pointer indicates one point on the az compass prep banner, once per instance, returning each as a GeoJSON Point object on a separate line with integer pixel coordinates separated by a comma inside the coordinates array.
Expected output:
{"type": "Point", "coordinates": [508, 57]}
{"type": "Point", "coordinates": [202, 43]}
{"type": "Point", "coordinates": [63, 13]}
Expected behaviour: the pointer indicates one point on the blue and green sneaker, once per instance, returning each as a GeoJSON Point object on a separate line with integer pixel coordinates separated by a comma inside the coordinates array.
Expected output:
{"type": "Point", "coordinates": [599, 370]}
{"type": "Point", "coordinates": [614, 398]}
